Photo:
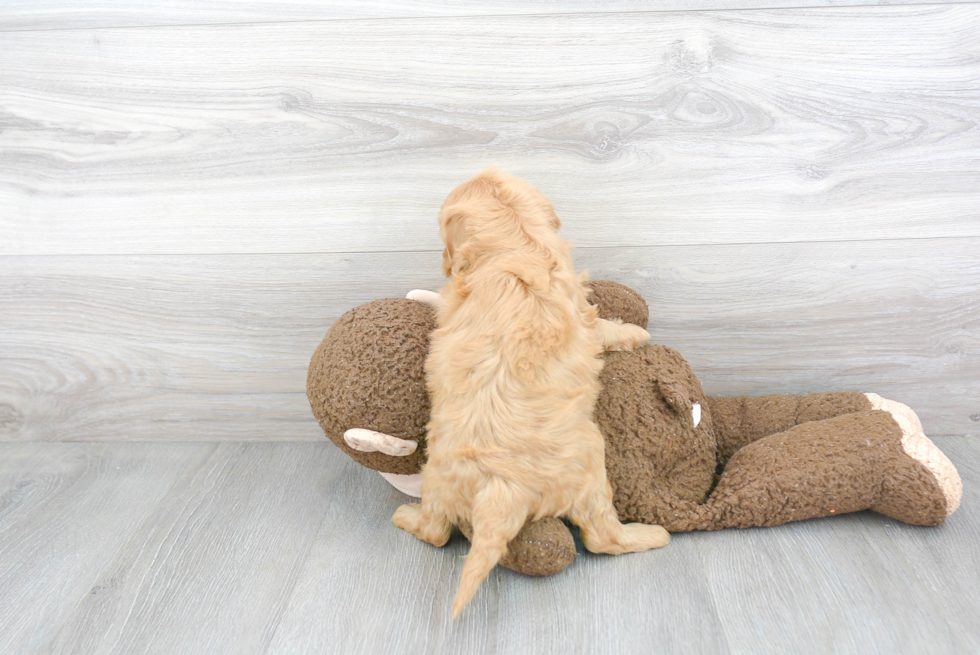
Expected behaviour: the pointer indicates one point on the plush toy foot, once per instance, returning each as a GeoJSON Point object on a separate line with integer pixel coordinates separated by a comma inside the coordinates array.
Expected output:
{"type": "Point", "coordinates": [542, 547]}
{"type": "Point", "coordinates": [920, 448]}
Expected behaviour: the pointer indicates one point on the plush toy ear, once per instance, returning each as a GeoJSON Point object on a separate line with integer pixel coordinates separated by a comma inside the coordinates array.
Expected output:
{"type": "Point", "coordinates": [677, 395]}
{"type": "Point", "coordinates": [682, 397]}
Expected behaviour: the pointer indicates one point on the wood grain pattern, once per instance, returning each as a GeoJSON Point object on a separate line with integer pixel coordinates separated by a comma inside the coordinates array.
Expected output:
{"type": "Point", "coordinates": [212, 568]}
{"type": "Point", "coordinates": [193, 347]}
{"type": "Point", "coordinates": [75, 14]}
{"type": "Point", "coordinates": [345, 136]}
{"type": "Point", "coordinates": [65, 511]}
{"type": "Point", "coordinates": [272, 548]}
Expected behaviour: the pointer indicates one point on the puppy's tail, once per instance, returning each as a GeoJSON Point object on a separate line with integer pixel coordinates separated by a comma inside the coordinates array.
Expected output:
{"type": "Point", "coordinates": [496, 519]}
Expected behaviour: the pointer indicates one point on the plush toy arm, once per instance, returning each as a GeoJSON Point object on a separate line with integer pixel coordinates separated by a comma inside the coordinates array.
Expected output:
{"type": "Point", "coordinates": [740, 420]}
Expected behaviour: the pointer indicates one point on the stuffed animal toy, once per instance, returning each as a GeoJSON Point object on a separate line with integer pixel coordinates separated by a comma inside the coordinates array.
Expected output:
{"type": "Point", "coordinates": [674, 456]}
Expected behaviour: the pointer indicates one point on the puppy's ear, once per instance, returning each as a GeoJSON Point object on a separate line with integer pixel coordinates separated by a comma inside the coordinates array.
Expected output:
{"type": "Point", "coordinates": [455, 235]}
{"type": "Point", "coordinates": [447, 261]}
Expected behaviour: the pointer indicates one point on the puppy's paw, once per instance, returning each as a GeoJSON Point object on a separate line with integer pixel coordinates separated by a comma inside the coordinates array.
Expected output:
{"type": "Point", "coordinates": [645, 537]}
{"type": "Point", "coordinates": [633, 336]}
{"type": "Point", "coordinates": [616, 335]}
{"type": "Point", "coordinates": [410, 518]}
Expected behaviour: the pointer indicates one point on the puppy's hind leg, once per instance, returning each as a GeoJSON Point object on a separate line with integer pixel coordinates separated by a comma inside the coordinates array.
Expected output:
{"type": "Point", "coordinates": [603, 533]}
{"type": "Point", "coordinates": [496, 519]}
{"type": "Point", "coordinates": [617, 335]}
{"type": "Point", "coordinates": [426, 521]}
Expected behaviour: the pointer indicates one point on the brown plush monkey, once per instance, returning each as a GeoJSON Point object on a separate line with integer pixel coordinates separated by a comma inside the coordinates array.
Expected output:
{"type": "Point", "coordinates": [674, 456]}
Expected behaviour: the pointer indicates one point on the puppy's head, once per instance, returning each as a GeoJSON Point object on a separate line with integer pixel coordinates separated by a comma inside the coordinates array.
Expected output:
{"type": "Point", "coordinates": [494, 210]}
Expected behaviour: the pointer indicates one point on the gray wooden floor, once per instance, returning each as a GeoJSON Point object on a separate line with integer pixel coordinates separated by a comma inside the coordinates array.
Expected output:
{"type": "Point", "coordinates": [288, 547]}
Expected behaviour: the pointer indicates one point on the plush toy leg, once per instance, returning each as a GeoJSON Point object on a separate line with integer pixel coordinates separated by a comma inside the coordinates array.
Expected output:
{"type": "Point", "coordinates": [740, 420]}
{"type": "Point", "coordinates": [821, 468]}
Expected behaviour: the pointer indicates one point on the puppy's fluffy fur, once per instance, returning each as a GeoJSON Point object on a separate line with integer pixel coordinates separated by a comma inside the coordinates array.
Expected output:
{"type": "Point", "coordinates": [513, 378]}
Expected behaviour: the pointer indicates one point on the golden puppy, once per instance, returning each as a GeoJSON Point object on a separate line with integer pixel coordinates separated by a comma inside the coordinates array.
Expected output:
{"type": "Point", "coordinates": [513, 378]}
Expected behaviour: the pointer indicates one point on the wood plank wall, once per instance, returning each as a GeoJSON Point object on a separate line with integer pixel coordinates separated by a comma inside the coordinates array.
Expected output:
{"type": "Point", "coordinates": [190, 195]}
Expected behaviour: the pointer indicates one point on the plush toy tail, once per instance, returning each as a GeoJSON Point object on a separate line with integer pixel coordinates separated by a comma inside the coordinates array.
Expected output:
{"type": "Point", "coordinates": [496, 520]}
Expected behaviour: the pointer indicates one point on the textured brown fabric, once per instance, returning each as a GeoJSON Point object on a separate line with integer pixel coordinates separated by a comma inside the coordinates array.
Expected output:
{"type": "Point", "coordinates": [542, 547]}
{"type": "Point", "coordinates": [658, 463]}
{"type": "Point", "coordinates": [369, 373]}
{"type": "Point", "coordinates": [616, 300]}
{"type": "Point", "coordinates": [740, 420]}
{"type": "Point", "coordinates": [834, 466]}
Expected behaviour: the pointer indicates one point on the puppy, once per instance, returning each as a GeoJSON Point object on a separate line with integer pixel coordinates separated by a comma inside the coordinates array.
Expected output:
{"type": "Point", "coordinates": [512, 374]}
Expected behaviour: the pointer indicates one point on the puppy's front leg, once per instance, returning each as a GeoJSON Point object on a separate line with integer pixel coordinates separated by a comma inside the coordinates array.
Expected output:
{"type": "Point", "coordinates": [617, 335]}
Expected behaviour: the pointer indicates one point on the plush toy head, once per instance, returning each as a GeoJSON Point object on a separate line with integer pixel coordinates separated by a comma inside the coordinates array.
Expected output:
{"type": "Point", "coordinates": [368, 373]}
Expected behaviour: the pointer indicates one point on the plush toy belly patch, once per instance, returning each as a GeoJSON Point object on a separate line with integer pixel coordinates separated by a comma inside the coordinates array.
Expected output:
{"type": "Point", "coordinates": [674, 456]}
